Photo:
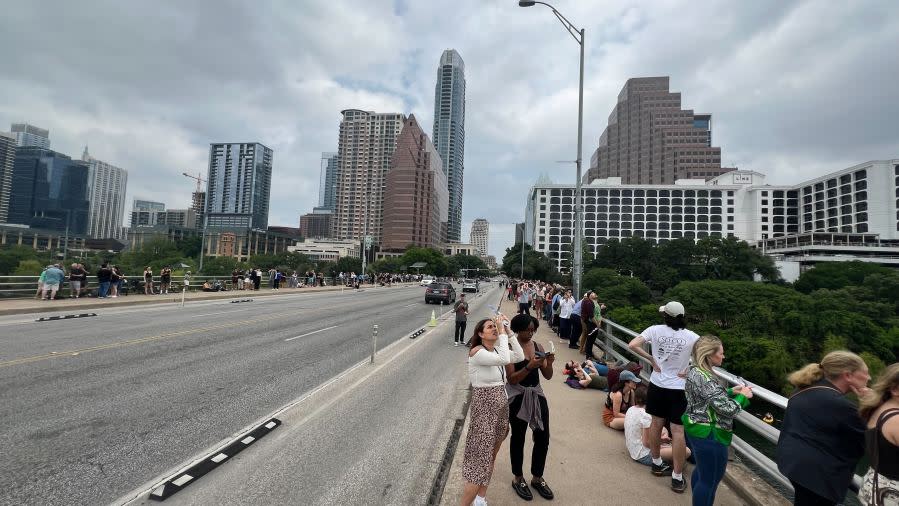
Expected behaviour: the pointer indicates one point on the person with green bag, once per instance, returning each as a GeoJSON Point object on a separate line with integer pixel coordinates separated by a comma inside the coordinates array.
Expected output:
{"type": "Point", "coordinates": [709, 419]}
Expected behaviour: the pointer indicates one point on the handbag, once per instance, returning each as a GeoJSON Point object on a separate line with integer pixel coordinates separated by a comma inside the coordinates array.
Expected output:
{"type": "Point", "coordinates": [878, 495]}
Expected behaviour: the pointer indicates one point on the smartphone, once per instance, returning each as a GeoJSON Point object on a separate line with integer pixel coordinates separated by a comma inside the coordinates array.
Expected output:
{"type": "Point", "coordinates": [552, 348]}
{"type": "Point", "coordinates": [539, 354]}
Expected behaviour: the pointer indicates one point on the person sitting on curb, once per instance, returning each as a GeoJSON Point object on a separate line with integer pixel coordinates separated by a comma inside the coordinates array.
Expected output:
{"type": "Point", "coordinates": [636, 431]}
{"type": "Point", "coordinates": [619, 400]}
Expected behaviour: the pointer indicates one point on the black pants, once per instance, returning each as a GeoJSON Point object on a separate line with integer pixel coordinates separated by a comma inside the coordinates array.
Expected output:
{"type": "Point", "coordinates": [524, 308]}
{"type": "Point", "coordinates": [592, 334]}
{"type": "Point", "coordinates": [574, 331]}
{"type": "Point", "coordinates": [460, 332]}
{"type": "Point", "coordinates": [519, 431]}
{"type": "Point", "coordinates": [805, 497]}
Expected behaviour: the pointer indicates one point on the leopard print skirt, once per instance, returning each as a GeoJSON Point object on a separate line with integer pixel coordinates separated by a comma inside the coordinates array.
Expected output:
{"type": "Point", "coordinates": [487, 429]}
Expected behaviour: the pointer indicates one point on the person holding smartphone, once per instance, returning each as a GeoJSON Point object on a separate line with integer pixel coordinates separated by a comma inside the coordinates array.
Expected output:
{"type": "Point", "coordinates": [527, 405]}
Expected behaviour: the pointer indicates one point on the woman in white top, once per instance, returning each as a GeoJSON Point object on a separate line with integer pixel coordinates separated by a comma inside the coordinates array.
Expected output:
{"type": "Point", "coordinates": [489, 409]}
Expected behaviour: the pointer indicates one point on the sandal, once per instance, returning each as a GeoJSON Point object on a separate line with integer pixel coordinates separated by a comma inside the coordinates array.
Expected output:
{"type": "Point", "coordinates": [521, 488]}
{"type": "Point", "coordinates": [543, 489]}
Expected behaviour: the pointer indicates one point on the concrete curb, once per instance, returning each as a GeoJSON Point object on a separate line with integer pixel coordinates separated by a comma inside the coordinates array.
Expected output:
{"type": "Point", "coordinates": [750, 487]}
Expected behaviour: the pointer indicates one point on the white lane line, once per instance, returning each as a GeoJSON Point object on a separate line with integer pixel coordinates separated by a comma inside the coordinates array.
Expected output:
{"type": "Point", "coordinates": [413, 304]}
{"type": "Point", "coordinates": [310, 333]}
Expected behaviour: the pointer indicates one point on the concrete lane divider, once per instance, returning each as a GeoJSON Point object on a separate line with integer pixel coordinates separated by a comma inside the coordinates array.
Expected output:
{"type": "Point", "coordinates": [66, 317]}
{"type": "Point", "coordinates": [417, 333]}
{"type": "Point", "coordinates": [198, 469]}
{"type": "Point", "coordinates": [235, 301]}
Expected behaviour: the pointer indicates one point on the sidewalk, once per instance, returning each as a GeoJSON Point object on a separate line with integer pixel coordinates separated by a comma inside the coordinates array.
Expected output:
{"type": "Point", "coordinates": [587, 462]}
{"type": "Point", "coordinates": [24, 306]}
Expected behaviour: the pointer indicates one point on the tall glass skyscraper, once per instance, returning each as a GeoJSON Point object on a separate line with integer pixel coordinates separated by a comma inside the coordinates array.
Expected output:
{"type": "Point", "coordinates": [239, 186]}
{"type": "Point", "coordinates": [449, 133]}
{"type": "Point", "coordinates": [49, 190]}
{"type": "Point", "coordinates": [106, 188]}
{"type": "Point", "coordinates": [327, 185]}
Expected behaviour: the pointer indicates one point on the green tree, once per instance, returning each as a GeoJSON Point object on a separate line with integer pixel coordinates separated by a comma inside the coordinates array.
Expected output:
{"type": "Point", "coordinates": [29, 268]}
{"type": "Point", "coordinates": [835, 275]}
{"type": "Point", "coordinates": [616, 290]}
{"type": "Point", "coordinates": [536, 264]}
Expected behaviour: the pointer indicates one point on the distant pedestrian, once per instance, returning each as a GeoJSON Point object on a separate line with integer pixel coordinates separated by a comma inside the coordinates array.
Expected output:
{"type": "Point", "coordinates": [235, 274]}
{"type": "Point", "coordinates": [165, 279]}
{"type": "Point", "coordinates": [258, 281]}
{"type": "Point", "coordinates": [566, 306]}
{"type": "Point", "coordinates": [880, 409]}
{"type": "Point", "coordinates": [524, 299]}
{"type": "Point", "coordinates": [77, 276]}
{"type": "Point", "coordinates": [823, 436]}
{"type": "Point", "coordinates": [114, 281]}
{"type": "Point", "coordinates": [489, 409]}
{"type": "Point", "coordinates": [241, 276]}
{"type": "Point", "coordinates": [148, 281]}
{"type": "Point", "coordinates": [53, 277]}
{"type": "Point", "coordinates": [104, 277]}
{"type": "Point", "coordinates": [40, 283]}
{"type": "Point", "coordinates": [460, 308]}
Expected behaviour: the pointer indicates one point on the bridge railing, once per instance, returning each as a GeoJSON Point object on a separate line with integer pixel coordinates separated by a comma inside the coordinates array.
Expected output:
{"type": "Point", "coordinates": [615, 344]}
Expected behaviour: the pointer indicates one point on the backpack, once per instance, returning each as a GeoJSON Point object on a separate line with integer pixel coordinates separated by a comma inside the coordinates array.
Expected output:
{"type": "Point", "coordinates": [557, 304]}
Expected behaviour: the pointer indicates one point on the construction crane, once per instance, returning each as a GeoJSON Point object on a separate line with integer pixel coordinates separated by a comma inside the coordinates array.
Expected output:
{"type": "Point", "coordinates": [198, 178]}
{"type": "Point", "coordinates": [200, 181]}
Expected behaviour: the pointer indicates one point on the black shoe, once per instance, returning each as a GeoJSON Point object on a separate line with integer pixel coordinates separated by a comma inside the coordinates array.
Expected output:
{"type": "Point", "coordinates": [521, 488]}
{"type": "Point", "coordinates": [678, 485]}
{"type": "Point", "coordinates": [661, 470]}
{"type": "Point", "coordinates": [543, 489]}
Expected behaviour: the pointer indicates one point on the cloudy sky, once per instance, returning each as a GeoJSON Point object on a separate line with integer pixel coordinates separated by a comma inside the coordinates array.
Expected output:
{"type": "Point", "coordinates": [796, 89]}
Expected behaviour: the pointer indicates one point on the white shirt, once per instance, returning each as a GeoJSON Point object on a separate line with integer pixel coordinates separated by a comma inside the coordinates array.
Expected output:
{"type": "Point", "coordinates": [488, 368]}
{"type": "Point", "coordinates": [566, 306]}
{"type": "Point", "coordinates": [671, 349]}
{"type": "Point", "coordinates": [635, 420]}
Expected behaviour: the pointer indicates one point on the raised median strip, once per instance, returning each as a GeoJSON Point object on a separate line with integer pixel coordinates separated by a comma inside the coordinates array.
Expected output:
{"type": "Point", "coordinates": [66, 317]}
{"type": "Point", "coordinates": [235, 301]}
{"type": "Point", "coordinates": [185, 477]}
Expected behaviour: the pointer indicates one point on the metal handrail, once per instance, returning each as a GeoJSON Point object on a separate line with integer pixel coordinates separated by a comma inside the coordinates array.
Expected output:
{"type": "Point", "coordinates": [744, 449]}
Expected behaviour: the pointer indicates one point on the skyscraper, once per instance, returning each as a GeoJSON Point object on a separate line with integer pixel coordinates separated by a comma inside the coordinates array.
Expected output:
{"type": "Point", "coordinates": [239, 186]}
{"type": "Point", "coordinates": [7, 160]}
{"type": "Point", "coordinates": [327, 186]}
{"type": "Point", "coordinates": [106, 190]}
{"type": "Point", "coordinates": [651, 140]}
{"type": "Point", "coordinates": [49, 190]}
{"type": "Point", "coordinates": [416, 201]}
{"type": "Point", "coordinates": [31, 136]}
{"type": "Point", "coordinates": [480, 233]}
{"type": "Point", "coordinates": [145, 213]}
{"type": "Point", "coordinates": [449, 133]}
{"type": "Point", "coordinates": [366, 144]}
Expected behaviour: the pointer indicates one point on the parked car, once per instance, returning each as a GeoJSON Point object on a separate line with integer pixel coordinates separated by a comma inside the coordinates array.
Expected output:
{"type": "Point", "coordinates": [427, 281]}
{"type": "Point", "coordinates": [469, 285]}
{"type": "Point", "coordinates": [442, 293]}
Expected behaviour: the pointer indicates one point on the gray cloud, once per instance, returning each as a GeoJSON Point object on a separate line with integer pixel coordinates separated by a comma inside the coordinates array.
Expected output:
{"type": "Point", "coordinates": [797, 89]}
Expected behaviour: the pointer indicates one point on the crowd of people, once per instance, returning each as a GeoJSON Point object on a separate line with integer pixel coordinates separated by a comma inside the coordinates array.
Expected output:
{"type": "Point", "coordinates": [682, 412]}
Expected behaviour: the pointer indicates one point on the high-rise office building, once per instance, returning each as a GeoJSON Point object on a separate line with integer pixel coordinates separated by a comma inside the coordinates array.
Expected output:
{"type": "Point", "coordinates": [239, 186]}
{"type": "Point", "coordinates": [317, 224]}
{"type": "Point", "coordinates": [366, 144]}
{"type": "Point", "coordinates": [106, 189]}
{"type": "Point", "coordinates": [49, 190]}
{"type": "Point", "coordinates": [480, 232]}
{"type": "Point", "coordinates": [145, 213]}
{"type": "Point", "coordinates": [31, 136]}
{"type": "Point", "coordinates": [327, 186]}
{"type": "Point", "coordinates": [449, 133]}
{"type": "Point", "coordinates": [7, 160]}
{"type": "Point", "coordinates": [198, 204]}
{"type": "Point", "coordinates": [651, 140]}
{"type": "Point", "coordinates": [416, 201]}
{"type": "Point", "coordinates": [186, 218]}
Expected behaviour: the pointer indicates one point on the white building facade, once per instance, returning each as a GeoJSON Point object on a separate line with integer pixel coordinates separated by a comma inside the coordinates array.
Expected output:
{"type": "Point", "coordinates": [480, 234]}
{"type": "Point", "coordinates": [327, 250]}
{"type": "Point", "coordinates": [863, 199]}
{"type": "Point", "coordinates": [30, 135]}
{"type": "Point", "coordinates": [106, 190]}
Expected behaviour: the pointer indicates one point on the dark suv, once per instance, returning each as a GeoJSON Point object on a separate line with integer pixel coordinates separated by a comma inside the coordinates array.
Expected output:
{"type": "Point", "coordinates": [442, 293]}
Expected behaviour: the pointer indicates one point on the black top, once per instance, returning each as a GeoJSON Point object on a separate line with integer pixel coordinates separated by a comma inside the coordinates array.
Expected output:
{"type": "Point", "coordinates": [104, 275]}
{"type": "Point", "coordinates": [821, 440]}
{"type": "Point", "coordinates": [533, 377]}
{"type": "Point", "coordinates": [626, 402]}
{"type": "Point", "coordinates": [887, 460]}
{"type": "Point", "coordinates": [77, 274]}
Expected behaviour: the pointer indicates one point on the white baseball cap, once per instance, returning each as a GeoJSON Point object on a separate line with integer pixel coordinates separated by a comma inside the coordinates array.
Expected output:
{"type": "Point", "coordinates": [673, 308]}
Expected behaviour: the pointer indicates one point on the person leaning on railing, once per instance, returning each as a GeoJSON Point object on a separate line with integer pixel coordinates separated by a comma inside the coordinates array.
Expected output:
{"type": "Point", "coordinates": [880, 408]}
{"type": "Point", "coordinates": [822, 436]}
{"type": "Point", "coordinates": [709, 419]}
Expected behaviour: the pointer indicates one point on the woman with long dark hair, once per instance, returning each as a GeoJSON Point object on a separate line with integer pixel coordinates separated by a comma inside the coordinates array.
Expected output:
{"type": "Point", "coordinates": [619, 400]}
{"type": "Point", "coordinates": [489, 408]}
{"type": "Point", "coordinates": [823, 436]}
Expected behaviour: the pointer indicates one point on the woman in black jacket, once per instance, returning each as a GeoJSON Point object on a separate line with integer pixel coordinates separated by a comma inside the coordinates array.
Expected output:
{"type": "Point", "coordinates": [823, 436]}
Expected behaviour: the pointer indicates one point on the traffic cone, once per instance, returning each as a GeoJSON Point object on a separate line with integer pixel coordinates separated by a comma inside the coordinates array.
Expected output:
{"type": "Point", "coordinates": [433, 322]}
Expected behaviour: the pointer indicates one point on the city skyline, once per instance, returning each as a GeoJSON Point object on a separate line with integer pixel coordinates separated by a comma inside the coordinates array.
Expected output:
{"type": "Point", "coordinates": [778, 109]}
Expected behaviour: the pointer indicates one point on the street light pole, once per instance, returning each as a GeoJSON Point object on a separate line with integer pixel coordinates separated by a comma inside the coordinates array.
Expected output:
{"type": "Point", "coordinates": [578, 35]}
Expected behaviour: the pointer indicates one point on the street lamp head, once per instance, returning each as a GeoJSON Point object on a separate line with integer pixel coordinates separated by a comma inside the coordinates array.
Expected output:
{"type": "Point", "coordinates": [526, 3]}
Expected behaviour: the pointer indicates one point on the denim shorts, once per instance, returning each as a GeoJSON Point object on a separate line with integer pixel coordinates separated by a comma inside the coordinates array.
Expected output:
{"type": "Point", "coordinates": [646, 460]}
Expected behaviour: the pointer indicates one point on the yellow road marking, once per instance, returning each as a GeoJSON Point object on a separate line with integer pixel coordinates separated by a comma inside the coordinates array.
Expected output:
{"type": "Point", "coordinates": [131, 342]}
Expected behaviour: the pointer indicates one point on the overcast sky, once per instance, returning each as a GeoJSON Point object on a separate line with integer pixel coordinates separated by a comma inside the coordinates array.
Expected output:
{"type": "Point", "coordinates": [796, 89]}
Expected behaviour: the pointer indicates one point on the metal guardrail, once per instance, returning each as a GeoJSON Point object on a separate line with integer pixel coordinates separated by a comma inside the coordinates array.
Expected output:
{"type": "Point", "coordinates": [610, 346]}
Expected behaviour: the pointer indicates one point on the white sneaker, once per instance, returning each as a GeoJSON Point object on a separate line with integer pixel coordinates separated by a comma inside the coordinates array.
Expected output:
{"type": "Point", "coordinates": [456, 343]}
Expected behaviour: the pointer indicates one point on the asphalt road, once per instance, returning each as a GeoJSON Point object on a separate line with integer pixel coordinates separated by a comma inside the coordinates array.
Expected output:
{"type": "Point", "coordinates": [95, 409]}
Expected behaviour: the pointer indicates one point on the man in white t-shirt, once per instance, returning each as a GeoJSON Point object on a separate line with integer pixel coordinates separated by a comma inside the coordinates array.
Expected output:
{"type": "Point", "coordinates": [672, 345]}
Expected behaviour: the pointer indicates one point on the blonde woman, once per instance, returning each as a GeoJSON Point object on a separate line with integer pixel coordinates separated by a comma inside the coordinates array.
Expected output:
{"type": "Point", "coordinates": [709, 419]}
{"type": "Point", "coordinates": [489, 409]}
{"type": "Point", "coordinates": [880, 408]}
{"type": "Point", "coordinates": [823, 436]}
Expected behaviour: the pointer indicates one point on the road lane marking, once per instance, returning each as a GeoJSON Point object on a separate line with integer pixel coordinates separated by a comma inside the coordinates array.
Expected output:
{"type": "Point", "coordinates": [131, 342]}
{"type": "Point", "coordinates": [310, 333]}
